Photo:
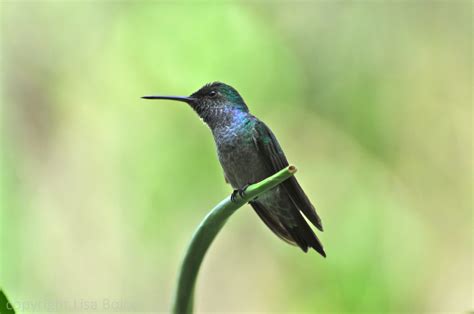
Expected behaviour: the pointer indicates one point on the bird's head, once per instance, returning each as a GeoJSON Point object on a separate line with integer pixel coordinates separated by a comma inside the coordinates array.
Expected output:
{"type": "Point", "coordinates": [212, 102]}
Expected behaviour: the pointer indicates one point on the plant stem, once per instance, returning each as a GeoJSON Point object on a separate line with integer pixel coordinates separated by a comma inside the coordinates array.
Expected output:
{"type": "Point", "coordinates": [207, 231]}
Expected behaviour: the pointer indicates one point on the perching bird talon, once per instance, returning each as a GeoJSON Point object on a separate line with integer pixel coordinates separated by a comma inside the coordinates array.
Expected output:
{"type": "Point", "coordinates": [234, 195]}
{"type": "Point", "coordinates": [242, 190]}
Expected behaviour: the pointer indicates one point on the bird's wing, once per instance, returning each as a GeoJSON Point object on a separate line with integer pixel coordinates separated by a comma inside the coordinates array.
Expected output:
{"type": "Point", "coordinates": [272, 222]}
{"type": "Point", "coordinates": [293, 229]}
{"type": "Point", "coordinates": [270, 149]}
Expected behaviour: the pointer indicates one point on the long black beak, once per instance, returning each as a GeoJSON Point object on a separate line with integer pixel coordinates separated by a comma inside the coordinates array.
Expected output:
{"type": "Point", "coordinates": [177, 98]}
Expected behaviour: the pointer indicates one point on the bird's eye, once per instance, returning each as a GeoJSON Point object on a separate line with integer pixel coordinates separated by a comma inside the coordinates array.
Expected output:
{"type": "Point", "coordinates": [212, 93]}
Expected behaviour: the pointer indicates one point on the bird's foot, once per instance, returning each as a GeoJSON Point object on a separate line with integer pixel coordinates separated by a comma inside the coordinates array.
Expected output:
{"type": "Point", "coordinates": [234, 195]}
{"type": "Point", "coordinates": [240, 192]}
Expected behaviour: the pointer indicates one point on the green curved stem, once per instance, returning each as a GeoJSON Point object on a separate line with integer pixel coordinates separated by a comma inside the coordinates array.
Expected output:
{"type": "Point", "coordinates": [207, 231]}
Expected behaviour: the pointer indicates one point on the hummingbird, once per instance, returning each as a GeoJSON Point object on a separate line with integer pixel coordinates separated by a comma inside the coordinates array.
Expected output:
{"type": "Point", "coordinates": [249, 152]}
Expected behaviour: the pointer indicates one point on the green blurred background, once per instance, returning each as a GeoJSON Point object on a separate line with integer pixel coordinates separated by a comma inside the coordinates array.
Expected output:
{"type": "Point", "coordinates": [101, 191]}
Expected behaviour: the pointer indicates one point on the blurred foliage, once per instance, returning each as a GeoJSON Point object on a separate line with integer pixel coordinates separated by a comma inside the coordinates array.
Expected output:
{"type": "Point", "coordinates": [5, 306]}
{"type": "Point", "coordinates": [100, 191]}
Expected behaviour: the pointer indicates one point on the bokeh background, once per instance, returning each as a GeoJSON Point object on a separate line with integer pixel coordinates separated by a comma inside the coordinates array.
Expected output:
{"type": "Point", "coordinates": [101, 191]}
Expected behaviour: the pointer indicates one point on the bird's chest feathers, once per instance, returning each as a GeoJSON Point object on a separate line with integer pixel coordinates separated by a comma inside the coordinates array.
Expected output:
{"type": "Point", "coordinates": [236, 149]}
{"type": "Point", "coordinates": [237, 152]}
{"type": "Point", "coordinates": [234, 138]}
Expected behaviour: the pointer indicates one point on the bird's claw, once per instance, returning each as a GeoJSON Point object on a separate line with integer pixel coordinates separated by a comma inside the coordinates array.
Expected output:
{"type": "Point", "coordinates": [233, 195]}
{"type": "Point", "coordinates": [240, 192]}
{"type": "Point", "coordinates": [243, 189]}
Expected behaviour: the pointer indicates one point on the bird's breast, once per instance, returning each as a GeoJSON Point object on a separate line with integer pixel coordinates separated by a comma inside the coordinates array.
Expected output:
{"type": "Point", "coordinates": [239, 156]}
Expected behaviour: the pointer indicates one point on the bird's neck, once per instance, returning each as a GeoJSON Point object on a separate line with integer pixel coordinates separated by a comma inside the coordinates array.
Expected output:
{"type": "Point", "coordinates": [226, 118]}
